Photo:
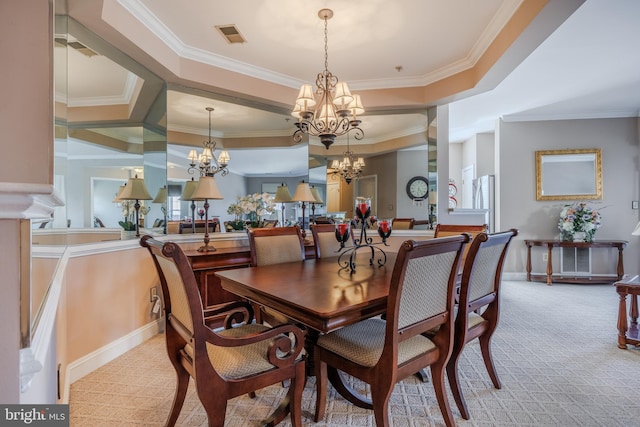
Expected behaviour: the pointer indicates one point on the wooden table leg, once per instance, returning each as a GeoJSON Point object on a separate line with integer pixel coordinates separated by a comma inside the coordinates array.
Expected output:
{"type": "Point", "coordinates": [549, 265]}
{"type": "Point", "coordinates": [528, 263]}
{"type": "Point", "coordinates": [622, 320]}
{"type": "Point", "coordinates": [345, 390]}
{"type": "Point", "coordinates": [633, 312]}
{"type": "Point", "coordinates": [620, 269]}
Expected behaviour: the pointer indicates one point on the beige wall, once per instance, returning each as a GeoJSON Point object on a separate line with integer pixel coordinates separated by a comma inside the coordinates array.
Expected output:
{"type": "Point", "coordinates": [107, 297]}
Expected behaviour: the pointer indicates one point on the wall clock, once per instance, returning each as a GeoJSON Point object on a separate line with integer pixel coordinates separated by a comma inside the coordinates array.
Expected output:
{"type": "Point", "coordinates": [418, 188]}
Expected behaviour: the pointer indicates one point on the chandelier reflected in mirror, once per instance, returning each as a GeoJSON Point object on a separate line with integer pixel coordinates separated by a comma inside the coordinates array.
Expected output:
{"type": "Point", "coordinates": [349, 168]}
{"type": "Point", "coordinates": [206, 163]}
{"type": "Point", "coordinates": [337, 111]}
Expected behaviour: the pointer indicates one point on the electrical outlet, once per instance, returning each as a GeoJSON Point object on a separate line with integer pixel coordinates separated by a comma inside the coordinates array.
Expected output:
{"type": "Point", "coordinates": [153, 293]}
{"type": "Point", "coordinates": [634, 204]}
{"type": "Point", "coordinates": [545, 256]}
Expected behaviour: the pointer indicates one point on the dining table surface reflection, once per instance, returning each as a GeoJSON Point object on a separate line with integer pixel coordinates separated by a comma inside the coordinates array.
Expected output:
{"type": "Point", "coordinates": [315, 292]}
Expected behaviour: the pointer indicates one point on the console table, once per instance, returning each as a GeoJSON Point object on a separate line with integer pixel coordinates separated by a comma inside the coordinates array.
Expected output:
{"type": "Point", "coordinates": [629, 285]}
{"type": "Point", "coordinates": [591, 278]}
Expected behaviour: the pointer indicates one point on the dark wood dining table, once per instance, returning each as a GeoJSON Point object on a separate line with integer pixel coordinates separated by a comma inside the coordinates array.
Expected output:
{"type": "Point", "coordinates": [319, 295]}
{"type": "Point", "coordinates": [315, 292]}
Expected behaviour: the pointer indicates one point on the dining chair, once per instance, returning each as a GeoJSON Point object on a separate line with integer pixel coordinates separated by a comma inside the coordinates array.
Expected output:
{"type": "Point", "coordinates": [382, 352]}
{"type": "Point", "coordinates": [479, 307]}
{"type": "Point", "coordinates": [240, 358]}
{"type": "Point", "coordinates": [402, 223]}
{"type": "Point", "coordinates": [275, 246]}
{"type": "Point", "coordinates": [324, 240]}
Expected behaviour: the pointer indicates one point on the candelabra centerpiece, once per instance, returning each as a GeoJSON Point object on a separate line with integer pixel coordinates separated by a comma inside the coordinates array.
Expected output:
{"type": "Point", "coordinates": [347, 259]}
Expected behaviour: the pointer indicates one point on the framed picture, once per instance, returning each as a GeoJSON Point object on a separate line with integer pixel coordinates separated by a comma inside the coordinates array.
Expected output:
{"type": "Point", "coordinates": [270, 188]}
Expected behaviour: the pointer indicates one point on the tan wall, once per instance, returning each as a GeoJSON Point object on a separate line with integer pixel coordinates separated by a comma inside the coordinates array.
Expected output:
{"type": "Point", "coordinates": [107, 297]}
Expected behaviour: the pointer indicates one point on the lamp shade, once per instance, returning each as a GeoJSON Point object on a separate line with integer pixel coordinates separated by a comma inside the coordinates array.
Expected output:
{"type": "Point", "coordinates": [135, 190]}
{"type": "Point", "coordinates": [355, 106]}
{"type": "Point", "coordinates": [303, 193]}
{"type": "Point", "coordinates": [189, 188]}
{"type": "Point", "coordinates": [282, 194]}
{"type": "Point", "coordinates": [117, 198]}
{"type": "Point", "coordinates": [206, 189]}
{"type": "Point", "coordinates": [433, 198]}
{"type": "Point", "coordinates": [316, 195]}
{"type": "Point", "coordinates": [161, 197]}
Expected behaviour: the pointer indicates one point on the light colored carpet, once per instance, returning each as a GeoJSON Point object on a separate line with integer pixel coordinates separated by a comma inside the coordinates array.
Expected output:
{"type": "Point", "coordinates": [555, 351]}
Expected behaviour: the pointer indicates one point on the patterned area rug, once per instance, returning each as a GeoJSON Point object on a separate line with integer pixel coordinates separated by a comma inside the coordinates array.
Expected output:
{"type": "Point", "coordinates": [555, 352]}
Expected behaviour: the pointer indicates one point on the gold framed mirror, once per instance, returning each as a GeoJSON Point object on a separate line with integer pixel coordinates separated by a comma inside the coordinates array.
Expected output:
{"type": "Point", "coordinates": [569, 174]}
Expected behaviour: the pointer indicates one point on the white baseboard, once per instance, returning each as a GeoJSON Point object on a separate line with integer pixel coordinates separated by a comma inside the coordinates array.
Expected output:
{"type": "Point", "coordinates": [94, 360]}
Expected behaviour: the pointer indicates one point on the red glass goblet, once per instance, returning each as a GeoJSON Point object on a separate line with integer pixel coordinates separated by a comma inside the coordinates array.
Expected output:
{"type": "Point", "coordinates": [363, 207]}
{"type": "Point", "coordinates": [384, 229]}
{"type": "Point", "coordinates": [342, 233]}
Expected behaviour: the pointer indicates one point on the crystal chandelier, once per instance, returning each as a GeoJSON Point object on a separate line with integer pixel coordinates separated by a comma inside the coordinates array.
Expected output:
{"type": "Point", "coordinates": [206, 163]}
{"type": "Point", "coordinates": [349, 168]}
{"type": "Point", "coordinates": [338, 110]}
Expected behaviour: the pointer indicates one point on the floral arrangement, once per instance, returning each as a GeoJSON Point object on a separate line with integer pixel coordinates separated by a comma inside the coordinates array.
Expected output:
{"type": "Point", "coordinates": [579, 218]}
{"type": "Point", "coordinates": [255, 206]}
{"type": "Point", "coordinates": [129, 214]}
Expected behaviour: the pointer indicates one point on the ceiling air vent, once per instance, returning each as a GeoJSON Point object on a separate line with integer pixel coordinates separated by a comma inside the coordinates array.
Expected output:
{"type": "Point", "coordinates": [82, 49]}
{"type": "Point", "coordinates": [230, 33]}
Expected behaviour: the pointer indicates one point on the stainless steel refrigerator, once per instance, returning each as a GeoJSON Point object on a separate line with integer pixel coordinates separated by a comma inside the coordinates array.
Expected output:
{"type": "Point", "coordinates": [484, 197]}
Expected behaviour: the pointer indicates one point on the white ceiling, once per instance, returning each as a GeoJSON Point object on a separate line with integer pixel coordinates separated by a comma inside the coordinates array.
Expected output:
{"type": "Point", "coordinates": [587, 68]}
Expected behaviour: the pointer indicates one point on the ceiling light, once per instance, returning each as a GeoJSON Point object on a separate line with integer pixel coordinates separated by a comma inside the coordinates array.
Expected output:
{"type": "Point", "coordinates": [206, 163]}
{"type": "Point", "coordinates": [349, 168]}
{"type": "Point", "coordinates": [337, 111]}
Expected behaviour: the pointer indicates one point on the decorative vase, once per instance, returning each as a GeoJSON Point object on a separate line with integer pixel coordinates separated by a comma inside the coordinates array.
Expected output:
{"type": "Point", "coordinates": [579, 236]}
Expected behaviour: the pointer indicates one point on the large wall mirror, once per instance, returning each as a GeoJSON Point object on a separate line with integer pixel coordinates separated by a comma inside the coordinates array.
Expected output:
{"type": "Point", "coordinates": [569, 174]}
{"type": "Point", "coordinates": [147, 127]}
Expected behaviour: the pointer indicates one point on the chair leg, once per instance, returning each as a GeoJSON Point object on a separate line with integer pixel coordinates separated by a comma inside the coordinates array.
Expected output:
{"type": "Point", "coordinates": [321, 388]}
{"type": "Point", "coordinates": [295, 395]}
{"type": "Point", "coordinates": [216, 409]}
{"type": "Point", "coordinates": [485, 348]}
{"type": "Point", "coordinates": [437, 376]}
{"type": "Point", "coordinates": [380, 401]}
{"type": "Point", "coordinates": [454, 383]}
{"type": "Point", "coordinates": [182, 384]}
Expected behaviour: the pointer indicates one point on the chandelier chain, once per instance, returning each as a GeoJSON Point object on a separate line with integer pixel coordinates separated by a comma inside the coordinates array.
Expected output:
{"type": "Point", "coordinates": [326, 46]}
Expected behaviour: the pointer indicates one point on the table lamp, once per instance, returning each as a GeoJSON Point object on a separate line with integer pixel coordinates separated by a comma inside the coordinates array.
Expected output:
{"type": "Point", "coordinates": [136, 190]}
{"type": "Point", "coordinates": [206, 190]}
{"type": "Point", "coordinates": [319, 201]}
{"type": "Point", "coordinates": [161, 198]}
{"type": "Point", "coordinates": [303, 194]}
{"type": "Point", "coordinates": [282, 196]}
{"type": "Point", "coordinates": [187, 192]}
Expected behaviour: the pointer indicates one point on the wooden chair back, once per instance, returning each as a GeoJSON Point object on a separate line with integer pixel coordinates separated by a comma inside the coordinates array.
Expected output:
{"type": "Point", "coordinates": [402, 223]}
{"type": "Point", "coordinates": [324, 240]}
{"type": "Point", "coordinates": [276, 245]}
{"type": "Point", "coordinates": [241, 358]}
{"type": "Point", "coordinates": [478, 310]}
{"type": "Point", "coordinates": [444, 230]}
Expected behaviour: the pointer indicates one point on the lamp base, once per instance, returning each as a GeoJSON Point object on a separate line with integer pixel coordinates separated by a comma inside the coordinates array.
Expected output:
{"type": "Point", "coordinates": [206, 248]}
